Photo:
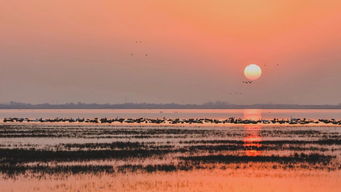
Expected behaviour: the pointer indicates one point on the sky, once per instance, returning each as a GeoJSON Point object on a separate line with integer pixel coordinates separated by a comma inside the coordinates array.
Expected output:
{"type": "Point", "coordinates": [162, 51]}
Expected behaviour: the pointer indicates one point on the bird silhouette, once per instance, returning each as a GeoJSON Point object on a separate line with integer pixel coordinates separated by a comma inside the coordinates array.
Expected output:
{"type": "Point", "coordinates": [247, 82]}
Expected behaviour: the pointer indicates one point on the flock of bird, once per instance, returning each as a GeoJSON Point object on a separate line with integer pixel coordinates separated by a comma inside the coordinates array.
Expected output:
{"type": "Point", "coordinates": [230, 120]}
{"type": "Point", "coordinates": [138, 42]}
{"type": "Point", "coordinates": [245, 82]}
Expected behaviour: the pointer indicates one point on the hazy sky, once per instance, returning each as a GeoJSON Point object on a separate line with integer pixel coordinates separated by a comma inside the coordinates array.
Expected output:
{"type": "Point", "coordinates": [192, 51]}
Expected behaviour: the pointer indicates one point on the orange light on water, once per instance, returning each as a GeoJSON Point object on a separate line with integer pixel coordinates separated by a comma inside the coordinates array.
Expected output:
{"type": "Point", "coordinates": [252, 141]}
{"type": "Point", "coordinates": [253, 138]}
{"type": "Point", "coordinates": [253, 153]}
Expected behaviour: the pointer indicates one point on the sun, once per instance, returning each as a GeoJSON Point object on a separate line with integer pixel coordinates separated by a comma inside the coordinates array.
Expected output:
{"type": "Point", "coordinates": [252, 72]}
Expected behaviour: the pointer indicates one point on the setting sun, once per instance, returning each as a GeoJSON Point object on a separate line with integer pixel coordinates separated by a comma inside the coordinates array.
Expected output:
{"type": "Point", "coordinates": [252, 72]}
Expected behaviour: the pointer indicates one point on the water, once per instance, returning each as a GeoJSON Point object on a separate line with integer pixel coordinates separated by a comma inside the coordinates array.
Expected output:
{"type": "Point", "coordinates": [107, 157]}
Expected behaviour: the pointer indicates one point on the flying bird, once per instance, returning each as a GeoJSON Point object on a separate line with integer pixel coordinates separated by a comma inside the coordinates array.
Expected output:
{"type": "Point", "coordinates": [247, 82]}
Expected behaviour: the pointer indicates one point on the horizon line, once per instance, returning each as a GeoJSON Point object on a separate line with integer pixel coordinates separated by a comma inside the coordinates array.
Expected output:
{"type": "Point", "coordinates": [209, 105]}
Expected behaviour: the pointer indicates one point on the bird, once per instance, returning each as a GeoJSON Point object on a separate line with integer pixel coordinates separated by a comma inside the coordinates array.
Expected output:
{"type": "Point", "coordinates": [247, 82]}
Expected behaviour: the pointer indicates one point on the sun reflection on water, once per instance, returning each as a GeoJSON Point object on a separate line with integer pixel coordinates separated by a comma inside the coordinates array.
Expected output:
{"type": "Point", "coordinates": [252, 139]}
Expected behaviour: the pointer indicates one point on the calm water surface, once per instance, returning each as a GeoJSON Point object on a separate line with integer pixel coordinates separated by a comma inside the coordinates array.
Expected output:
{"type": "Point", "coordinates": [83, 157]}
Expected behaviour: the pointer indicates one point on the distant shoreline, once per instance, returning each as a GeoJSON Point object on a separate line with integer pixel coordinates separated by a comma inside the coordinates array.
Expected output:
{"type": "Point", "coordinates": [176, 108]}
{"type": "Point", "coordinates": [216, 105]}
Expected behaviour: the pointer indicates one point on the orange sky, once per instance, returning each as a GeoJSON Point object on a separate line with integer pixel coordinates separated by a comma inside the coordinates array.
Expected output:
{"type": "Point", "coordinates": [82, 50]}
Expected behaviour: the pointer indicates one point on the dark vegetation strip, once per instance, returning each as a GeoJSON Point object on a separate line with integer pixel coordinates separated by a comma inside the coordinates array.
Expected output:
{"type": "Point", "coordinates": [14, 156]}
{"type": "Point", "coordinates": [275, 142]}
{"type": "Point", "coordinates": [319, 142]}
{"type": "Point", "coordinates": [103, 133]}
{"type": "Point", "coordinates": [64, 169]}
{"type": "Point", "coordinates": [81, 169]}
{"type": "Point", "coordinates": [98, 136]}
{"type": "Point", "coordinates": [215, 148]}
{"type": "Point", "coordinates": [154, 168]}
{"type": "Point", "coordinates": [122, 150]}
{"type": "Point", "coordinates": [116, 145]}
{"type": "Point", "coordinates": [112, 130]}
{"type": "Point", "coordinates": [99, 132]}
{"type": "Point", "coordinates": [297, 158]}
{"type": "Point", "coordinates": [113, 145]}
{"type": "Point", "coordinates": [12, 171]}
{"type": "Point", "coordinates": [17, 156]}
{"type": "Point", "coordinates": [290, 132]}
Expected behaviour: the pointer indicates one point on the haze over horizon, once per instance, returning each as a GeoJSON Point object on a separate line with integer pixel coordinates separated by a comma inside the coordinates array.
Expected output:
{"type": "Point", "coordinates": [215, 103]}
{"type": "Point", "coordinates": [186, 52]}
